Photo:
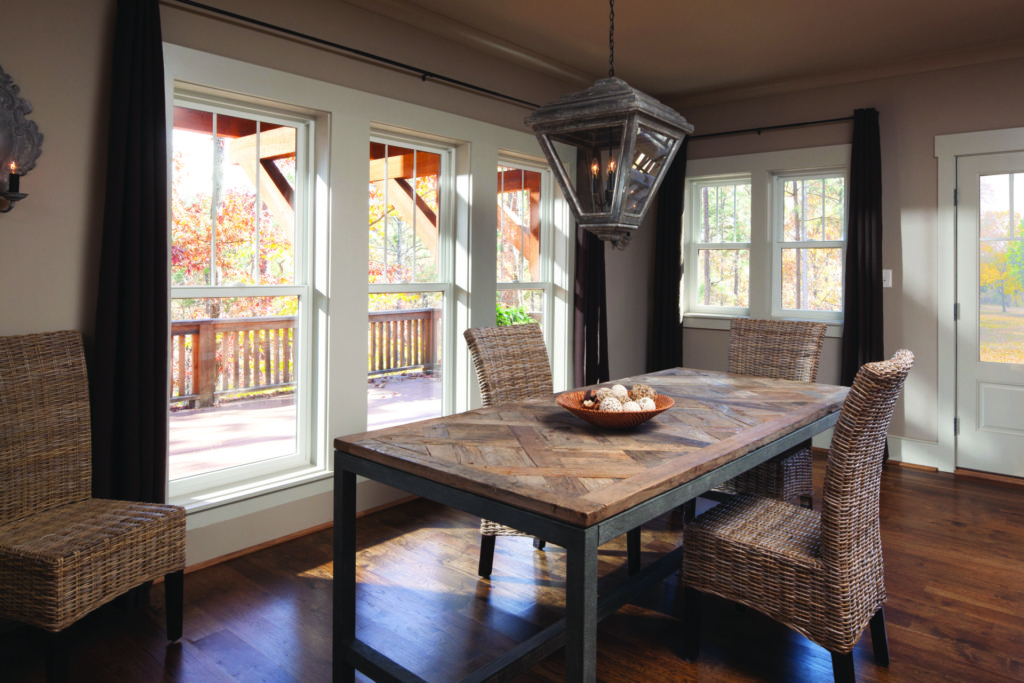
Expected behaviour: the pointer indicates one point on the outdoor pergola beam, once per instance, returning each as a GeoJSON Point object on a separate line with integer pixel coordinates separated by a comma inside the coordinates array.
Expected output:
{"type": "Point", "coordinates": [400, 194]}
{"type": "Point", "coordinates": [515, 181]}
{"type": "Point", "coordinates": [277, 143]}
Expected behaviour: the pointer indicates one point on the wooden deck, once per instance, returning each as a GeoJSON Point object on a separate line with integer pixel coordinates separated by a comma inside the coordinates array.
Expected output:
{"type": "Point", "coordinates": [205, 439]}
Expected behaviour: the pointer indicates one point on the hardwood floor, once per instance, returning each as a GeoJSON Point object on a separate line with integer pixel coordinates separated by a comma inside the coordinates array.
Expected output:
{"type": "Point", "coordinates": [954, 553]}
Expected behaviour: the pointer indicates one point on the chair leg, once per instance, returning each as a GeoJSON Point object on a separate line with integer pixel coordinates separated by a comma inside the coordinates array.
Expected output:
{"type": "Point", "coordinates": [486, 556]}
{"type": "Point", "coordinates": [842, 668]}
{"type": "Point", "coordinates": [633, 541]}
{"type": "Point", "coordinates": [56, 657]}
{"type": "Point", "coordinates": [879, 641]}
{"type": "Point", "coordinates": [539, 543]}
{"type": "Point", "coordinates": [691, 624]}
{"type": "Point", "coordinates": [174, 603]}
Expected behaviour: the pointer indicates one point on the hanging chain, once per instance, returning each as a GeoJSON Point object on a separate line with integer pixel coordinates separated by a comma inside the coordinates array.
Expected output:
{"type": "Point", "coordinates": [611, 38]}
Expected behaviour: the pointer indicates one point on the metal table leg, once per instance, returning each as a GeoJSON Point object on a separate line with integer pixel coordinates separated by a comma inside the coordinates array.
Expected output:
{"type": "Point", "coordinates": [344, 573]}
{"type": "Point", "coordinates": [581, 609]}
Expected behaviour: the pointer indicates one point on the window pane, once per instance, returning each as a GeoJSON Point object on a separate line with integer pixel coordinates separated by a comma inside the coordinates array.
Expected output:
{"type": "Point", "coordinates": [723, 277]}
{"type": "Point", "coordinates": [404, 214]}
{"type": "Point", "coordinates": [1001, 268]}
{"type": "Point", "coordinates": [814, 209]}
{"type": "Point", "coordinates": [233, 196]}
{"type": "Point", "coordinates": [404, 358]}
{"type": "Point", "coordinates": [519, 225]}
{"type": "Point", "coordinates": [812, 279]}
{"type": "Point", "coordinates": [234, 363]}
{"type": "Point", "coordinates": [996, 206]}
{"type": "Point", "coordinates": [1001, 300]}
{"type": "Point", "coordinates": [516, 306]}
{"type": "Point", "coordinates": [724, 212]}
{"type": "Point", "coordinates": [191, 194]}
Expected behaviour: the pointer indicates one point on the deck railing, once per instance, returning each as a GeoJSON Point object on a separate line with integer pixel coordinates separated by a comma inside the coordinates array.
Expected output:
{"type": "Point", "coordinates": [211, 358]}
{"type": "Point", "coordinates": [403, 341]}
{"type": "Point", "coordinates": [237, 356]}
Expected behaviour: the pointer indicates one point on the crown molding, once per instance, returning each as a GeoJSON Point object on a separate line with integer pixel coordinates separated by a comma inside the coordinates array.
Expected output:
{"type": "Point", "coordinates": [909, 67]}
{"type": "Point", "coordinates": [450, 29]}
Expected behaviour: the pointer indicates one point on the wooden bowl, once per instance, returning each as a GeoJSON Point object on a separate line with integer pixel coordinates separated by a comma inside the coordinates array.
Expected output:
{"type": "Point", "coordinates": [573, 402]}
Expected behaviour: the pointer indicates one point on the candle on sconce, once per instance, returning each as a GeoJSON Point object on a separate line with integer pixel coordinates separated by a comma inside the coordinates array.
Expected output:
{"type": "Point", "coordinates": [595, 170]}
{"type": "Point", "coordinates": [611, 175]}
{"type": "Point", "coordinates": [14, 180]}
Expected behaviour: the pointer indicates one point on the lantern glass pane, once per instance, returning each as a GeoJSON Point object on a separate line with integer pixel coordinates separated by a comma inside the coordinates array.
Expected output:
{"type": "Point", "coordinates": [598, 153]}
{"type": "Point", "coordinates": [649, 155]}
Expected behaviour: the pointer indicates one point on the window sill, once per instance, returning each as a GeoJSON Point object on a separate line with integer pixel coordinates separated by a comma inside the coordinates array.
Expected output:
{"type": "Point", "coordinates": [714, 321]}
{"type": "Point", "coordinates": [214, 497]}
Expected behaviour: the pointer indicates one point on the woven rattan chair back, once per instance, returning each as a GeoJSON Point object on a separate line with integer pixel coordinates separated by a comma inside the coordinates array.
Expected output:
{"type": "Point", "coordinates": [850, 537]}
{"type": "Point", "coordinates": [780, 349]}
{"type": "Point", "coordinates": [511, 362]}
{"type": "Point", "coordinates": [45, 437]}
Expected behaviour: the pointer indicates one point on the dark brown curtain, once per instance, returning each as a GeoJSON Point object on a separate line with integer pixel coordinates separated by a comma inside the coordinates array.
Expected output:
{"type": "Point", "coordinates": [666, 343]}
{"type": "Point", "coordinates": [129, 373]}
{"type": "Point", "coordinates": [862, 318]}
{"type": "Point", "coordinates": [590, 324]}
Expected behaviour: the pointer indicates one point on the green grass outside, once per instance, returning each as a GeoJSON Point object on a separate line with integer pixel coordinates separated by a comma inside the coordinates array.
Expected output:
{"type": "Point", "coordinates": [1001, 335]}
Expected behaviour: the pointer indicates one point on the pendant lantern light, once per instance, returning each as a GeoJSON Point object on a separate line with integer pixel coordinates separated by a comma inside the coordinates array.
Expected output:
{"type": "Point", "coordinates": [624, 142]}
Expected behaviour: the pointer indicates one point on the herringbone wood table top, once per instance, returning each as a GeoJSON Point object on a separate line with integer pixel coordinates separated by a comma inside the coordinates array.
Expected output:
{"type": "Point", "coordinates": [535, 455]}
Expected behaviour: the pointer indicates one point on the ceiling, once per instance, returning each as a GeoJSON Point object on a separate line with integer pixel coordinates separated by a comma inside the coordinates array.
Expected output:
{"type": "Point", "coordinates": [674, 49]}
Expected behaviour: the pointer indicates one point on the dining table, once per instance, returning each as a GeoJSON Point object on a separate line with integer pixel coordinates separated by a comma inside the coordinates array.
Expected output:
{"type": "Point", "coordinates": [535, 467]}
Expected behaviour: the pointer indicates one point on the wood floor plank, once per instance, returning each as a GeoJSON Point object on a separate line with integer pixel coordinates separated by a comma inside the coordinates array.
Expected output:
{"type": "Point", "coordinates": [954, 554]}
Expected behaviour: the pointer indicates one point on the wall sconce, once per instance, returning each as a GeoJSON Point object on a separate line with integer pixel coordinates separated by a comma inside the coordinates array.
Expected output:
{"type": "Point", "coordinates": [20, 141]}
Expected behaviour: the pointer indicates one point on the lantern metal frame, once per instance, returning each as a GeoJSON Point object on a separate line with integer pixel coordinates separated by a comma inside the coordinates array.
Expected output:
{"type": "Point", "coordinates": [588, 121]}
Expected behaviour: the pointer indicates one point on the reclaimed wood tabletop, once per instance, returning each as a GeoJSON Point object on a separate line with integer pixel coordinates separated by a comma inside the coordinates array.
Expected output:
{"type": "Point", "coordinates": [534, 455]}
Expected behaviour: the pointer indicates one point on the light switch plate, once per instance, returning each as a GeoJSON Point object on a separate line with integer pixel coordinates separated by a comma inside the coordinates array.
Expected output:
{"type": "Point", "coordinates": [886, 277]}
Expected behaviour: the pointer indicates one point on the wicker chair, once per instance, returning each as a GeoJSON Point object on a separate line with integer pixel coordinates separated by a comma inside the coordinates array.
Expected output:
{"type": "Point", "coordinates": [62, 552]}
{"type": "Point", "coordinates": [781, 349]}
{"type": "Point", "coordinates": [511, 364]}
{"type": "Point", "coordinates": [819, 573]}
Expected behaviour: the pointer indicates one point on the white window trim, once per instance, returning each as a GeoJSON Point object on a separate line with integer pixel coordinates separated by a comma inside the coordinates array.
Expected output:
{"type": "Point", "coordinates": [762, 169]}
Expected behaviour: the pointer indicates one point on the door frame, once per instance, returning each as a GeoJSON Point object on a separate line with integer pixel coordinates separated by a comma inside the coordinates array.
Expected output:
{"type": "Point", "coordinates": [942, 454]}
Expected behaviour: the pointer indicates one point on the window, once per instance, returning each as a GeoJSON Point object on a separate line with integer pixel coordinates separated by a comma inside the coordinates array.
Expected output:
{"type": "Point", "coordinates": [765, 241]}
{"type": "Point", "coordinates": [524, 270]}
{"type": "Point", "coordinates": [239, 292]}
{"type": "Point", "coordinates": [410, 281]}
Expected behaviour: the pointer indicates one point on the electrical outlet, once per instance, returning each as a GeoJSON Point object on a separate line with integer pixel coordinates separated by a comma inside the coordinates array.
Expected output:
{"type": "Point", "coordinates": [886, 277]}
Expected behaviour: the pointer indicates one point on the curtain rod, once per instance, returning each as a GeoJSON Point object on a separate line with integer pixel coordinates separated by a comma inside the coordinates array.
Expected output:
{"type": "Point", "coordinates": [423, 73]}
{"type": "Point", "coordinates": [763, 128]}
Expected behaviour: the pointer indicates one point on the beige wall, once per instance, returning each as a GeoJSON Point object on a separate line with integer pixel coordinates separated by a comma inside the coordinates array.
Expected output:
{"type": "Point", "coordinates": [58, 54]}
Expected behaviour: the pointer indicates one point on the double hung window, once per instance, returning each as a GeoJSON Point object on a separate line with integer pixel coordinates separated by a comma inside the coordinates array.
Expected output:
{"type": "Point", "coordinates": [239, 292]}
{"type": "Point", "coordinates": [765, 236]}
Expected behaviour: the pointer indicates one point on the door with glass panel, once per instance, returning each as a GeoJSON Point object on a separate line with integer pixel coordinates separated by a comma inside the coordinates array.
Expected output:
{"type": "Point", "coordinates": [410, 280]}
{"type": "Point", "coordinates": [990, 329]}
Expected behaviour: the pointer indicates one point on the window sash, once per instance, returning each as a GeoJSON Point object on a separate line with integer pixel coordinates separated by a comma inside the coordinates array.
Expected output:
{"type": "Point", "coordinates": [223, 483]}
